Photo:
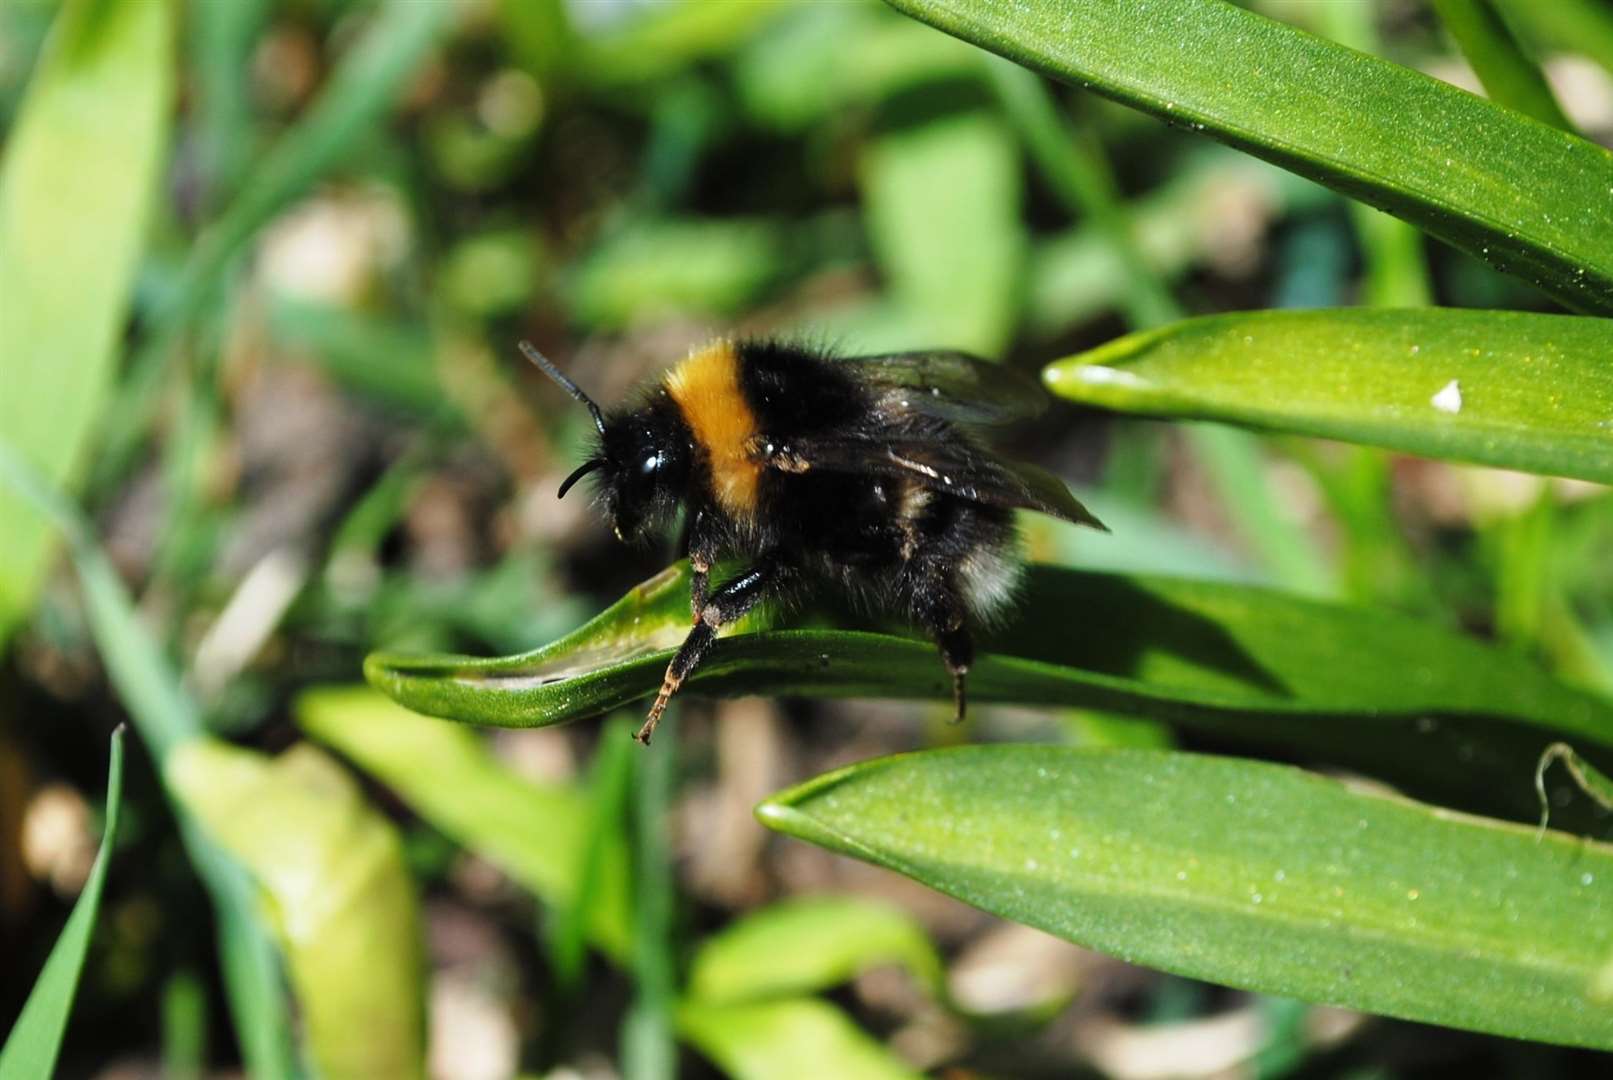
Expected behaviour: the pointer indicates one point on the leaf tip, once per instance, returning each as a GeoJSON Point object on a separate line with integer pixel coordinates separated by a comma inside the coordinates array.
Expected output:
{"type": "Point", "coordinates": [775, 814]}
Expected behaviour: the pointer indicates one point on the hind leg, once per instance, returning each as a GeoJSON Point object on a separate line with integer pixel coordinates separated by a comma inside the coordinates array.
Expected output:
{"type": "Point", "coordinates": [939, 608]}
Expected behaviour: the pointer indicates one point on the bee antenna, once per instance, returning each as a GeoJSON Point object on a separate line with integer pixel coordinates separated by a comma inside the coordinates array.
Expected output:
{"type": "Point", "coordinates": [582, 470]}
{"type": "Point", "coordinates": [571, 388]}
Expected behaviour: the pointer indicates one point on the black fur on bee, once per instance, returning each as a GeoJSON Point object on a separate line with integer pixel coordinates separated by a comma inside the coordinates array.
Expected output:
{"type": "Point", "coordinates": [866, 473]}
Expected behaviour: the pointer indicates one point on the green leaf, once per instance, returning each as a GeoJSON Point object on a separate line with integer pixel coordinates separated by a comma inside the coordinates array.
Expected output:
{"type": "Point", "coordinates": [534, 832]}
{"type": "Point", "coordinates": [1248, 874]}
{"type": "Point", "coordinates": [1515, 390]}
{"type": "Point", "coordinates": [165, 716]}
{"type": "Point", "coordinates": [811, 943]}
{"type": "Point", "coordinates": [334, 879]}
{"type": "Point", "coordinates": [1234, 660]}
{"type": "Point", "coordinates": [1437, 156]}
{"type": "Point", "coordinates": [793, 1039]}
{"type": "Point", "coordinates": [36, 1038]}
{"type": "Point", "coordinates": [81, 166]}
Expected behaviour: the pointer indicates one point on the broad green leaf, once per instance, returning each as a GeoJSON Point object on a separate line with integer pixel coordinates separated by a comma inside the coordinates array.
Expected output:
{"type": "Point", "coordinates": [1507, 74]}
{"type": "Point", "coordinates": [805, 944]}
{"type": "Point", "coordinates": [336, 886]}
{"type": "Point", "coordinates": [36, 1038]}
{"type": "Point", "coordinates": [80, 169]}
{"type": "Point", "coordinates": [792, 1039]}
{"type": "Point", "coordinates": [1395, 696]}
{"type": "Point", "coordinates": [1527, 198]}
{"type": "Point", "coordinates": [1515, 390]}
{"type": "Point", "coordinates": [1244, 873]}
{"type": "Point", "coordinates": [164, 716]}
{"type": "Point", "coordinates": [534, 832]}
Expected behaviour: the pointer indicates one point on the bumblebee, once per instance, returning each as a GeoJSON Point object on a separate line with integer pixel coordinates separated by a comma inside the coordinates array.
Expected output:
{"type": "Point", "coordinates": [865, 473]}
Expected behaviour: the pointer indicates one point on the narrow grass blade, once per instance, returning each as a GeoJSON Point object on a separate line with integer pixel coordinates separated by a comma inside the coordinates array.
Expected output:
{"type": "Point", "coordinates": [1590, 781]}
{"type": "Point", "coordinates": [1245, 873]}
{"type": "Point", "coordinates": [603, 841]}
{"type": "Point", "coordinates": [221, 40]}
{"type": "Point", "coordinates": [1072, 160]}
{"type": "Point", "coordinates": [1584, 26]}
{"type": "Point", "coordinates": [1509, 77]}
{"type": "Point", "coordinates": [1437, 156]}
{"type": "Point", "coordinates": [36, 1038]}
{"type": "Point", "coordinates": [807, 944]}
{"type": "Point", "coordinates": [79, 174]}
{"type": "Point", "coordinates": [357, 95]}
{"type": "Point", "coordinates": [1238, 661]}
{"type": "Point", "coordinates": [165, 716]}
{"type": "Point", "coordinates": [332, 871]}
{"type": "Point", "coordinates": [1076, 168]}
{"type": "Point", "coordinates": [790, 1039]}
{"type": "Point", "coordinates": [1395, 273]}
{"type": "Point", "coordinates": [649, 1048]}
{"type": "Point", "coordinates": [1509, 389]}
{"type": "Point", "coordinates": [533, 832]}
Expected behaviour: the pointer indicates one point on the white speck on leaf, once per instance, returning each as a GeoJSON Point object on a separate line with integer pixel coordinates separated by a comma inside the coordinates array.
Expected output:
{"type": "Point", "coordinates": [1449, 398]}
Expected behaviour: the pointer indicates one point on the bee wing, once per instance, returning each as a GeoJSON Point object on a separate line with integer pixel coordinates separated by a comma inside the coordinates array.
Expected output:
{"type": "Point", "coordinates": [952, 386]}
{"type": "Point", "coordinates": [958, 467]}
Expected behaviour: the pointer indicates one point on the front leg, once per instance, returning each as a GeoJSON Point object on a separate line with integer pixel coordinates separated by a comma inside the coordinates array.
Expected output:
{"type": "Point", "coordinates": [729, 603]}
{"type": "Point", "coordinates": [702, 547]}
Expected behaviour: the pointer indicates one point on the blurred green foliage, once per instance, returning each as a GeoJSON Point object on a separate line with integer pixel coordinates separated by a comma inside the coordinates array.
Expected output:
{"type": "Point", "coordinates": [261, 269]}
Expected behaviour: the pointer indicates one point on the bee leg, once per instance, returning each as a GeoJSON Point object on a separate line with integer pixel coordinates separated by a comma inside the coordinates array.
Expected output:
{"type": "Point", "coordinates": [697, 544]}
{"type": "Point", "coordinates": [940, 611]}
{"type": "Point", "coordinates": [727, 604]}
{"type": "Point", "coordinates": [699, 586]}
{"type": "Point", "coordinates": [957, 653]}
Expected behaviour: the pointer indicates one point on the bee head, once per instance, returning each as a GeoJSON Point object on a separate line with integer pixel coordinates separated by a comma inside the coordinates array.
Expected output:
{"type": "Point", "coordinates": [644, 468]}
{"type": "Point", "coordinates": [642, 459]}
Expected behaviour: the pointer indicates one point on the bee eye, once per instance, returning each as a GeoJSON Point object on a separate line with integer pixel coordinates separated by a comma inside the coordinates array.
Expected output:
{"type": "Point", "coordinates": [650, 464]}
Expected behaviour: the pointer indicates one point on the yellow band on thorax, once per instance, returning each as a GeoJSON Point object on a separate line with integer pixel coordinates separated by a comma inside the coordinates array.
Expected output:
{"type": "Point", "coordinates": [706, 389]}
